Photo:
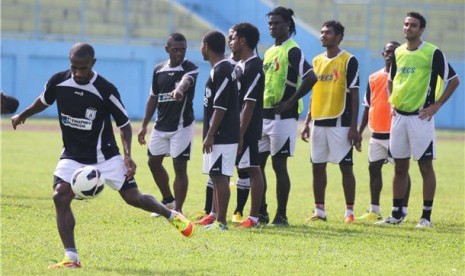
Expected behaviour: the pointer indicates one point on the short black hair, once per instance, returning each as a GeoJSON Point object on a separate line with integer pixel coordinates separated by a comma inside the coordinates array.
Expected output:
{"type": "Point", "coordinates": [82, 50]}
{"type": "Point", "coordinates": [215, 41]}
{"type": "Point", "coordinates": [337, 26]}
{"type": "Point", "coordinates": [249, 32]}
{"type": "Point", "coordinates": [418, 16]}
{"type": "Point", "coordinates": [286, 14]}
{"type": "Point", "coordinates": [177, 37]}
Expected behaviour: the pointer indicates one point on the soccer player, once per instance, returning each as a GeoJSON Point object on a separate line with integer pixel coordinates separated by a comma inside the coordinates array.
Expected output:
{"type": "Point", "coordinates": [243, 181]}
{"type": "Point", "coordinates": [288, 77]}
{"type": "Point", "coordinates": [172, 92]}
{"type": "Point", "coordinates": [334, 111]}
{"type": "Point", "coordinates": [220, 125]}
{"type": "Point", "coordinates": [377, 115]}
{"type": "Point", "coordinates": [417, 68]}
{"type": "Point", "coordinates": [86, 103]}
{"type": "Point", "coordinates": [250, 78]}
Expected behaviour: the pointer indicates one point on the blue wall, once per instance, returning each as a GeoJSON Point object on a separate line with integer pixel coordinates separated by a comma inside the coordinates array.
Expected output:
{"type": "Point", "coordinates": [27, 65]}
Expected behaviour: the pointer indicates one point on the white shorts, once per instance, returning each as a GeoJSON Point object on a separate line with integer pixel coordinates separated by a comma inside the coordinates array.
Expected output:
{"type": "Point", "coordinates": [177, 144]}
{"type": "Point", "coordinates": [378, 150]}
{"type": "Point", "coordinates": [411, 136]}
{"type": "Point", "coordinates": [221, 160]}
{"type": "Point", "coordinates": [113, 170]}
{"type": "Point", "coordinates": [278, 136]}
{"type": "Point", "coordinates": [329, 144]}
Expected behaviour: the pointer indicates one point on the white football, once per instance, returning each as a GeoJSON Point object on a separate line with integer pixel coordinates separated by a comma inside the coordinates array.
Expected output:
{"type": "Point", "coordinates": [87, 182]}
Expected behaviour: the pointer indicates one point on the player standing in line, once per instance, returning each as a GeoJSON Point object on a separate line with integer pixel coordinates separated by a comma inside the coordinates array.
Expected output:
{"type": "Point", "coordinates": [86, 102]}
{"type": "Point", "coordinates": [416, 70]}
{"type": "Point", "coordinates": [334, 111]}
{"type": "Point", "coordinates": [171, 93]}
{"type": "Point", "coordinates": [251, 79]}
{"type": "Point", "coordinates": [288, 77]}
{"type": "Point", "coordinates": [377, 115]}
{"type": "Point", "coordinates": [243, 181]}
{"type": "Point", "coordinates": [220, 125]}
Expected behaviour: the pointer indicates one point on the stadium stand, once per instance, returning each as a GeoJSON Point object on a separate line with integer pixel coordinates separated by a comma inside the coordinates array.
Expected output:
{"type": "Point", "coordinates": [142, 21]}
{"type": "Point", "coordinates": [371, 23]}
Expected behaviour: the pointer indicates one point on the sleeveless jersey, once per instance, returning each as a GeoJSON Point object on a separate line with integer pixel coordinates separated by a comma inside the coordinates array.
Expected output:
{"type": "Point", "coordinates": [329, 92]}
{"type": "Point", "coordinates": [278, 78]}
{"type": "Point", "coordinates": [379, 119]}
{"type": "Point", "coordinates": [412, 79]}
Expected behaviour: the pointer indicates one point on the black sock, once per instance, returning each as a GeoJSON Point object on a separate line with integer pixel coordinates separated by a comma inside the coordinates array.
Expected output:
{"type": "Point", "coordinates": [242, 195]}
{"type": "Point", "coordinates": [397, 208]}
{"type": "Point", "coordinates": [208, 199]}
{"type": "Point", "coordinates": [263, 210]}
{"type": "Point", "coordinates": [167, 200]}
{"type": "Point", "coordinates": [427, 208]}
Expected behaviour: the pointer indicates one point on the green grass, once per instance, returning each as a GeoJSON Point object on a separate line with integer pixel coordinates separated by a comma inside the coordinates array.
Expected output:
{"type": "Point", "coordinates": [115, 239]}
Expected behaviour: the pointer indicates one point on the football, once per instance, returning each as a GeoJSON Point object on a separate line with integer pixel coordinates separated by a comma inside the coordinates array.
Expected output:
{"type": "Point", "coordinates": [87, 182]}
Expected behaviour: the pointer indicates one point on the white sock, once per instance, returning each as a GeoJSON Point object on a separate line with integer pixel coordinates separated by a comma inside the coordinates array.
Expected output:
{"type": "Point", "coordinates": [404, 210]}
{"type": "Point", "coordinates": [375, 209]}
{"type": "Point", "coordinates": [320, 212]}
{"type": "Point", "coordinates": [71, 255]}
{"type": "Point", "coordinates": [213, 214]}
{"type": "Point", "coordinates": [172, 215]}
{"type": "Point", "coordinates": [349, 212]}
{"type": "Point", "coordinates": [254, 219]}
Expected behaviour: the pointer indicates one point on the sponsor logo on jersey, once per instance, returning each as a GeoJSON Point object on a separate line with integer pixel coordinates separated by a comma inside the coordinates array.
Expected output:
{"type": "Point", "coordinates": [79, 93]}
{"type": "Point", "coordinates": [165, 97]}
{"type": "Point", "coordinates": [91, 113]}
{"type": "Point", "coordinates": [78, 123]}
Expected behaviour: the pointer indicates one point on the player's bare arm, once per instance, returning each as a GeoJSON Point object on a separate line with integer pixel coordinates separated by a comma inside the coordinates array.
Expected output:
{"type": "Point", "coordinates": [354, 136]}
{"type": "Point", "coordinates": [126, 138]}
{"type": "Point", "coordinates": [246, 116]}
{"type": "Point", "coordinates": [215, 122]}
{"type": "Point", "coordinates": [150, 108]}
{"type": "Point", "coordinates": [186, 82]}
{"type": "Point", "coordinates": [36, 107]}
{"type": "Point", "coordinates": [308, 81]}
{"type": "Point", "coordinates": [305, 133]}
{"type": "Point", "coordinates": [428, 112]}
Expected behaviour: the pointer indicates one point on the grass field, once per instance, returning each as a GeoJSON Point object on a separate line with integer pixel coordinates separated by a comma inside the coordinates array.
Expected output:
{"type": "Point", "coordinates": [115, 239]}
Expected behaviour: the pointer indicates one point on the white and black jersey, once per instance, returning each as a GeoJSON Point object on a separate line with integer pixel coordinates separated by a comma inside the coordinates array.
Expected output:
{"type": "Point", "coordinates": [172, 113]}
{"type": "Point", "coordinates": [85, 113]}
{"type": "Point", "coordinates": [221, 93]}
{"type": "Point", "coordinates": [251, 84]}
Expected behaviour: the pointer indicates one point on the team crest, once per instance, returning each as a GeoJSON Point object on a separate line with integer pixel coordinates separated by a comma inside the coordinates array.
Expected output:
{"type": "Point", "coordinates": [91, 113]}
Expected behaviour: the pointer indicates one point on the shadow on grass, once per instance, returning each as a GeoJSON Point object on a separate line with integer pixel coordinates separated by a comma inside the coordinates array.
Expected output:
{"type": "Point", "coordinates": [129, 271]}
{"type": "Point", "coordinates": [359, 230]}
{"type": "Point", "coordinates": [23, 197]}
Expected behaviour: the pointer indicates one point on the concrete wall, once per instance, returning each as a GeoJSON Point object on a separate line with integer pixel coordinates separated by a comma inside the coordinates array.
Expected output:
{"type": "Point", "coordinates": [27, 65]}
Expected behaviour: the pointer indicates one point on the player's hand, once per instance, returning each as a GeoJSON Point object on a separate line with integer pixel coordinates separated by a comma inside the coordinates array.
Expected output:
{"type": "Point", "coordinates": [354, 138]}
{"type": "Point", "coordinates": [358, 145]}
{"type": "Point", "coordinates": [283, 106]}
{"type": "Point", "coordinates": [141, 136]}
{"type": "Point", "coordinates": [208, 144]}
{"type": "Point", "coordinates": [130, 166]}
{"type": "Point", "coordinates": [428, 112]}
{"type": "Point", "coordinates": [17, 120]}
{"type": "Point", "coordinates": [305, 133]}
{"type": "Point", "coordinates": [177, 95]}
